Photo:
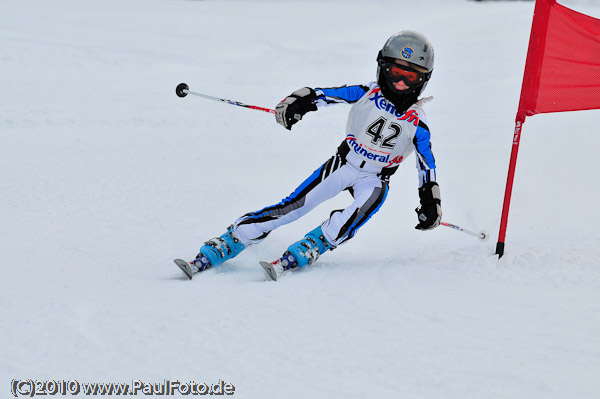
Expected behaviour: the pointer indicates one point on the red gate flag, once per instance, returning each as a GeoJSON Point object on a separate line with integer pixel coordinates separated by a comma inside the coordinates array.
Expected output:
{"type": "Point", "coordinates": [562, 73]}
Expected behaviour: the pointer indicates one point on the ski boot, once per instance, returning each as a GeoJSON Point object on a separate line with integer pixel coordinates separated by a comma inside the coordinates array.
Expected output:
{"type": "Point", "coordinates": [299, 254]}
{"type": "Point", "coordinates": [214, 252]}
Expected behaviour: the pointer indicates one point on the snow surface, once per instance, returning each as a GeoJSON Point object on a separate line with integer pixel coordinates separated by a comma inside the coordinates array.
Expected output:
{"type": "Point", "coordinates": [106, 176]}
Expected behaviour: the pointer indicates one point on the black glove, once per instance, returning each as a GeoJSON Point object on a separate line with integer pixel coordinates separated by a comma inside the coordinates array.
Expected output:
{"type": "Point", "coordinates": [294, 106]}
{"type": "Point", "coordinates": [430, 211]}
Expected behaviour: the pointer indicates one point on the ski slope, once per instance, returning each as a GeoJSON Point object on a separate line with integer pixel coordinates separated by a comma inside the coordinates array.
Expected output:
{"type": "Point", "coordinates": [106, 176]}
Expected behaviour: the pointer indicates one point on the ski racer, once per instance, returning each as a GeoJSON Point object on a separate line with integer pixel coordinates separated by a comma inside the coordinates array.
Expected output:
{"type": "Point", "coordinates": [386, 123]}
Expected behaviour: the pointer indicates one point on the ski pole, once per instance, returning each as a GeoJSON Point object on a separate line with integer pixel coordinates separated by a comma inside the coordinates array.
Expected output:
{"type": "Point", "coordinates": [183, 90]}
{"type": "Point", "coordinates": [482, 235]}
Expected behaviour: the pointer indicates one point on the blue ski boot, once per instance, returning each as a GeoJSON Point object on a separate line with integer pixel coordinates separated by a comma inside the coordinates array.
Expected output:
{"type": "Point", "coordinates": [218, 250]}
{"type": "Point", "coordinates": [308, 250]}
{"type": "Point", "coordinates": [214, 252]}
{"type": "Point", "coordinates": [299, 254]}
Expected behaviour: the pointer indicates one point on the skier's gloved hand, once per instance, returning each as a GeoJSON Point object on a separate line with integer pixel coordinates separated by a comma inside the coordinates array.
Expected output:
{"type": "Point", "coordinates": [430, 211]}
{"type": "Point", "coordinates": [294, 106]}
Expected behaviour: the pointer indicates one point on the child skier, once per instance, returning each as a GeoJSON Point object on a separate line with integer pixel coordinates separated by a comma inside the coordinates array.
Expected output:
{"type": "Point", "coordinates": [385, 124]}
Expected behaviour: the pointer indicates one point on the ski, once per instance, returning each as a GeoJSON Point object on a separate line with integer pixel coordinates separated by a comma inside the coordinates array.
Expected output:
{"type": "Point", "coordinates": [270, 269]}
{"type": "Point", "coordinates": [274, 270]}
{"type": "Point", "coordinates": [185, 267]}
{"type": "Point", "coordinates": [280, 267]}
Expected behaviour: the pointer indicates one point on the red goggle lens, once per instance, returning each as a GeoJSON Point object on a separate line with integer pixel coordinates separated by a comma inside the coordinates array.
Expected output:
{"type": "Point", "coordinates": [398, 73]}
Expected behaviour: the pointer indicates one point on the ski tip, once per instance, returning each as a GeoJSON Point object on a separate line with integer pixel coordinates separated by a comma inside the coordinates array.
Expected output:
{"type": "Point", "coordinates": [185, 267]}
{"type": "Point", "coordinates": [269, 270]}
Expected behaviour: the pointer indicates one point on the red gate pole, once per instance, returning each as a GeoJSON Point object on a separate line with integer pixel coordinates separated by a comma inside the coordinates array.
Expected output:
{"type": "Point", "coordinates": [528, 100]}
{"type": "Point", "coordinates": [509, 184]}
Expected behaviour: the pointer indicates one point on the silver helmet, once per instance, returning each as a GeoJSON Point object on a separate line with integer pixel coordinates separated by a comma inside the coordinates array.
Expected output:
{"type": "Point", "coordinates": [412, 47]}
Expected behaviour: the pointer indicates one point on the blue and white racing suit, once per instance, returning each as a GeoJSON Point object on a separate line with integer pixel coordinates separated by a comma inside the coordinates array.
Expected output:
{"type": "Point", "coordinates": [378, 140]}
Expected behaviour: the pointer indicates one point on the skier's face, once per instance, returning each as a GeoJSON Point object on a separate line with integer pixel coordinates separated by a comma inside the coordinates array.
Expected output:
{"type": "Point", "coordinates": [400, 85]}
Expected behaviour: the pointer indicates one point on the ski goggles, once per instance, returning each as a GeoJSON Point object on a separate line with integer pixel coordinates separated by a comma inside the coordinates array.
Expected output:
{"type": "Point", "coordinates": [396, 72]}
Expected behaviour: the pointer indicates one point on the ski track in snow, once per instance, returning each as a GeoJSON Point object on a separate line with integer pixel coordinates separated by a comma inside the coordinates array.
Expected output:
{"type": "Point", "coordinates": [106, 176]}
